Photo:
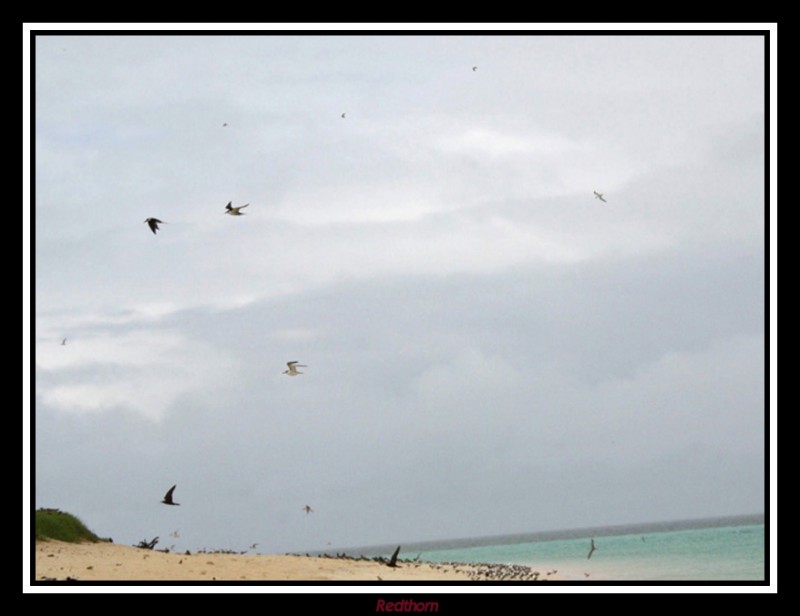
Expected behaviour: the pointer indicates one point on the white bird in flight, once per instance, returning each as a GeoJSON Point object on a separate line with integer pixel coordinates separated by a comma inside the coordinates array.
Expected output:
{"type": "Point", "coordinates": [293, 368]}
{"type": "Point", "coordinates": [234, 211]}
{"type": "Point", "coordinates": [598, 195]}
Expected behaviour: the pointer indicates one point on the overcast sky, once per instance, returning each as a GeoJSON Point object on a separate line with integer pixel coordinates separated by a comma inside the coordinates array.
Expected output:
{"type": "Point", "coordinates": [490, 348]}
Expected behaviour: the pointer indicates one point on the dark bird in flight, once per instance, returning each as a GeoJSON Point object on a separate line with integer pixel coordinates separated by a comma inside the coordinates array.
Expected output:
{"type": "Point", "coordinates": [474, 68]}
{"type": "Point", "coordinates": [64, 342]}
{"type": "Point", "coordinates": [224, 124]}
{"type": "Point", "coordinates": [598, 195]}
{"type": "Point", "coordinates": [234, 211]}
{"type": "Point", "coordinates": [293, 368]}
{"type": "Point", "coordinates": [254, 546]}
{"type": "Point", "coordinates": [343, 115]}
{"type": "Point", "coordinates": [393, 560]}
{"type": "Point", "coordinates": [592, 549]}
{"type": "Point", "coordinates": [168, 497]}
{"type": "Point", "coordinates": [308, 509]}
{"type": "Point", "coordinates": [153, 224]}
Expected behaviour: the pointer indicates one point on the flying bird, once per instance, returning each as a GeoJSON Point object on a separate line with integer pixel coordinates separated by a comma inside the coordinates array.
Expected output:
{"type": "Point", "coordinates": [308, 509]}
{"type": "Point", "coordinates": [234, 211]}
{"type": "Point", "coordinates": [474, 68]}
{"type": "Point", "coordinates": [598, 195]}
{"type": "Point", "coordinates": [64, 342]}
{"type": "Point", "coordinates": [153, 224]}
{"type": "Point", "coordinates": [393, 561]}
{"type": "Point", "coordinates": [224, 124]}
{"type": "Point", "coordinates": [343, 115]}
{"type": "Point", "coordinates": [168, 497]}
{"type": "Point", "coordinates": [175, 534]}
{"type": "Point", "coordinates": [293, 369]}
{"type": "Point", "coordinates": [591, 550]}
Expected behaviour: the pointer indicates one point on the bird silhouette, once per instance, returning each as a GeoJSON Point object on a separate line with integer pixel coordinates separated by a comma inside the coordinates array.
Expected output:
{"type": "Point", "coordinates": [393, 560]}
{"type": "Point", "coordinates": [64, 342]}
{"type": "Point", "coordinates": [598, 195]}
{"type": "Point", "coordinates": [308, 509]}
{"type": "Point", "coordinates": [153, 224]}
{"type": "Point", "coordinates": [343, 115]}
{"type": "Point", "coordinates": [293, 368]}
{"type": "Point", "coordinates": [168, 497]}
{"type": "Point", "coordinates": [474, 68]}
{"type": "Point", "coordinates": [591, 549]}
{"type": "Point", "coordinates": [234, 211]}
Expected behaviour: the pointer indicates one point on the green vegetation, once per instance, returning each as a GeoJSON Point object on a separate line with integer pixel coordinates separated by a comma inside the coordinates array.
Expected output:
{"type": "Point", "coordinates": [55, 524]}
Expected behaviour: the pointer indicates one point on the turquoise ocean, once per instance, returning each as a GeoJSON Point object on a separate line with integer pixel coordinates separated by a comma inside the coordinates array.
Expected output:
{"type": "Point", "coordinates": [713, 550]}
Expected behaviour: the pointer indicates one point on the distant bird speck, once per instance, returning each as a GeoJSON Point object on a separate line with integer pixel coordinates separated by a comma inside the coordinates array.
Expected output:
{"type": "Point", "coordinates": [293, 369]}
{"type": "Point", "coordinates": [234, 211]}
{"type": "Point", "coordinates": [308, 509]}
{"type": "Point", "coordinates": [153, 224]}
{"type": "Point", "coordinates": [343, 115]}
{"type": "Point", "coordinates": [474, 68]}
{"type": "Point", "coordinates": [64, 342]}
{"type": "Point", "coordinates": [168, 497]}
{"type": "Point", "coordinates": [591, 549]}
{"type": "Point", "coordinates": [224, 124]}
{"type": "Point", "coordinates": [598, 195]}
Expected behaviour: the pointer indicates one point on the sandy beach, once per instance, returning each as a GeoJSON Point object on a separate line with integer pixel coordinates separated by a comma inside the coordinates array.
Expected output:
{"type": "Point", "coordinates": [56, 560]}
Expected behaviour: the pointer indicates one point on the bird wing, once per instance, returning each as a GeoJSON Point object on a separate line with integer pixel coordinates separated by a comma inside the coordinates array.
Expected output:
{"type": "Point", "coordinates": [168, 495]}
{"type": "Point", "coordinates": [229, 206]}
{"type": "Point", "coordinates": [242, 206]}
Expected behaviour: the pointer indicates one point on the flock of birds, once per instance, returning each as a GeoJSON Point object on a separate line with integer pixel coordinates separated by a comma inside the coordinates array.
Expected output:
{"type": "Point", "coordinates": [292, 366]}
